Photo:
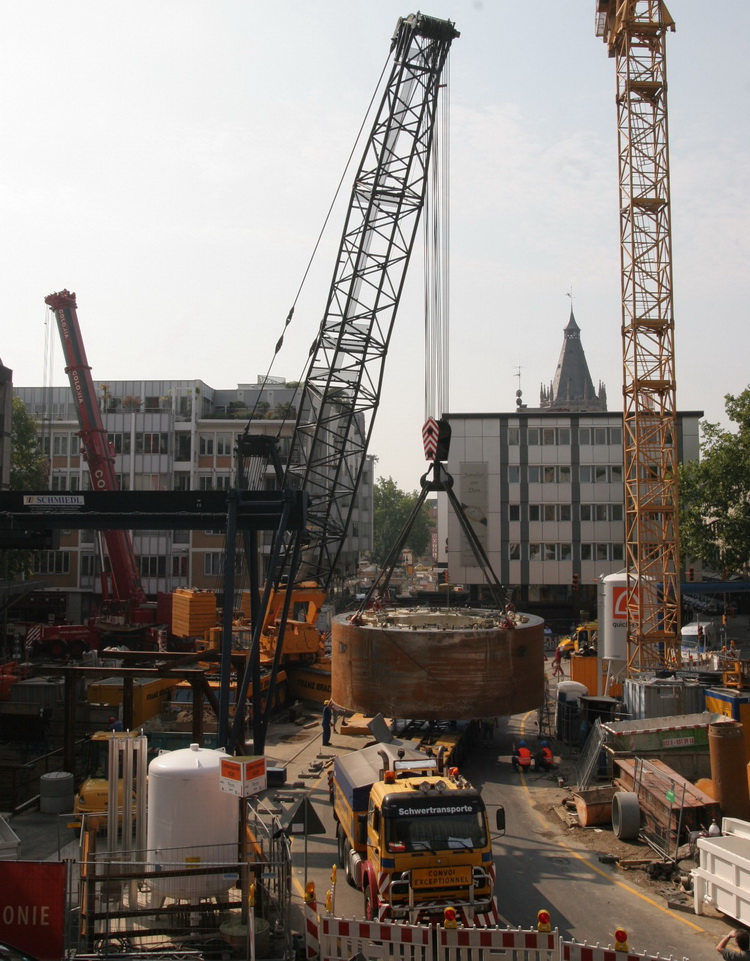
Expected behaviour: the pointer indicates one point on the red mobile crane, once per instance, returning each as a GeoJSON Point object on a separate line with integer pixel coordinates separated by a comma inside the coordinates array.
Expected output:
{"type": "Point", "coordinates": [125, 607]}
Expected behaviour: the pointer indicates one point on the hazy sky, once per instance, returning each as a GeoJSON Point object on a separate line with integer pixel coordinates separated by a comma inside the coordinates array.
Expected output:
{"type": "Point", "coordinates": [172, 162]}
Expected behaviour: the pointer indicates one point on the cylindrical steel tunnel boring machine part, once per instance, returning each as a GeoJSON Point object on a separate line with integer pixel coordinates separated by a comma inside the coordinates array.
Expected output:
{"type": "Point", "coordinates": [425, 664]}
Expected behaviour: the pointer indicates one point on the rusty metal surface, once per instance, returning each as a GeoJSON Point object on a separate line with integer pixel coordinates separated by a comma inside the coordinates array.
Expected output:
{"type": "Point", "coordinates": [425, 664]}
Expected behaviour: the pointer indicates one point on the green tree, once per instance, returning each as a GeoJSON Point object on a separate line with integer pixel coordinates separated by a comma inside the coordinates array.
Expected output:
{"type": "Point", "coordinates": [715, 493]}
{"type": "Point", "coordinates": [28, 465]}
{"type": "Point", "coordinates": [392, 508]}
{"type": "Point", "coordinates": [28, 471]}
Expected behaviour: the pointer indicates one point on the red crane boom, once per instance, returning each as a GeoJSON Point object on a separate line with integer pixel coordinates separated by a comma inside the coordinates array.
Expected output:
{"type": "Point", "coordinates": [96, 449]}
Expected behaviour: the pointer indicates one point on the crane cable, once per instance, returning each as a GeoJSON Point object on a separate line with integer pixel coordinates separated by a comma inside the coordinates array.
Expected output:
{"type": "Point", "coordinates": [436, 228]}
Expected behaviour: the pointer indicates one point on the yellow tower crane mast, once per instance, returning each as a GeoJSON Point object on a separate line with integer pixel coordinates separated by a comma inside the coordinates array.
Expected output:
{"type": "Point", "coordinates": [635, 33]}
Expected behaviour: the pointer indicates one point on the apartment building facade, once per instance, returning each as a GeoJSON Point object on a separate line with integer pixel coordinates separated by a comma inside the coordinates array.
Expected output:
{"type": "Point", "coordinates": [166, 435]}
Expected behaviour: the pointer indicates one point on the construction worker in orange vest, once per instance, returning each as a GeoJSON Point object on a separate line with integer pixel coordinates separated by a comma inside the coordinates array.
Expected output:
{"type": "Point", "coordinates": [521, 759]}
{"type": "Point", "coordinates": [544, 758]}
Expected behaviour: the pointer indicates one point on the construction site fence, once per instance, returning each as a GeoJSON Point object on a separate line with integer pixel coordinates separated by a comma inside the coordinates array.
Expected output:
{"type": "Point", "coordinates": [330, 938]}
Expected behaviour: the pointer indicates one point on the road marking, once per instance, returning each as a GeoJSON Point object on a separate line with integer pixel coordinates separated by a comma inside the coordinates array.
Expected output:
{"type": "Point", "coordinates": [577, 854]}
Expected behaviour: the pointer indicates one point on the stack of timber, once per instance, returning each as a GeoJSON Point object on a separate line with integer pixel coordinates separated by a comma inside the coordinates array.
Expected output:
{"type": "Point", "coordinates": [193, 612]}
{"type": "Point", "coordinates": [698, 808]}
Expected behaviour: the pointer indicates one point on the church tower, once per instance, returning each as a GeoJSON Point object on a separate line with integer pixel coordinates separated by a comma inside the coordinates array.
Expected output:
{"type": "Point", "coordinates": [572, 388]}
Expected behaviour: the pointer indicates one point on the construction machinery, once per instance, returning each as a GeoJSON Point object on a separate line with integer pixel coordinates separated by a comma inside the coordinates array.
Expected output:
{"type": "Point", "coordinates": [635, 33]}
{"type": "Point", "coordinates": [125, 610]}
{"type": "Point", "coordinates": [341, 390]}
{"type": "Point", "coordinates": [413, 837]}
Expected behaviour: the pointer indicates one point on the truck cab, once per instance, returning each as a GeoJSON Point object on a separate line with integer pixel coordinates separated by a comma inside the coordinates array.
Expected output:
{"type": "Point", "coordinates": [413, 837]}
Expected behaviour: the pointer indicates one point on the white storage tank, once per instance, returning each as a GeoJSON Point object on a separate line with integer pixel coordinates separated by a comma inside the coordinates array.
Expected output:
{"type": "Point", "coordinates": [190, 821]}
{"type": "Point", "coordinates": [613, 622]}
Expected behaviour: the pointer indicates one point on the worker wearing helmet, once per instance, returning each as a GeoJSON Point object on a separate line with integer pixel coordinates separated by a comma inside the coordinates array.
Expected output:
{"type": "Point", "coordinates": [544, 758]}
{"type": "Point", "coordinates": [521, 759]}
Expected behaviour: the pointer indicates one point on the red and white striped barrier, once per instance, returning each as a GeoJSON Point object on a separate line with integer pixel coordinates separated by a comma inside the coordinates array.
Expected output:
{"type": "Point", "coordinates": [510, 939]}
{"type": "Point", "coordinates": [340, 940]}
{"type": "Point", "coordinates": [312, 938]}
{"type": "Point", "coordinates": [335, 939]}
{"type": "Point", "coordinates": [573, 951]}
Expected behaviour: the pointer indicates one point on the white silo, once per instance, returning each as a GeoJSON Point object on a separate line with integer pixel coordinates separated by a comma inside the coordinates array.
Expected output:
{"type": "Point", "coordinates": [612, 616]}
{"type": "Point", "coordinates": [191, 821]}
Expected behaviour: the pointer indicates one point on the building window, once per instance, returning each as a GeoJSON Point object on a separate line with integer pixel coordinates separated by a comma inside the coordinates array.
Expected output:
{"type": "Point", "coordinates": [565, 512]}
{"type": "Point", "coordinates": [532, 436]}
{"type": "Point", "coordinates": [514, 512]}
{"type": "Point", "coordinates": [535, 512]}
{"type": "Point", "coordinates": [601, 512]}
{"type": "Point", "coordinates": [205, 482]}
{"type": "Point", "coordinates": [223, 444]}
{"type": "Point", "coordinates": [585, 512]}
{"type": "Point", "coordinates": [602, 552]}
{"type": "Point", "coordinates": [565, 552]}
{"type": "Point", "coordinates": [535, 552]}
{"type": "Point", "coordinates": [535, 475]}
{"type": "Point", "coordinates": [180, 537]}
{"type": "Point", "coordinates": [153, 565]}
{"type": "Point", "coordinates": [616, 512]}
{"type": "Point", "coordinates": [514, 474]}
{"type": "Point", "coordinates": [183, 446]}
{"type": "Point", "coordinates": [58, 481]}
{"type": "Point", "coordinates": [52, 562]}
{"type": "Point", "coordinates": [563, 474]}
{"type": "Point", "coordinates": [616, 475]}
{"type": "Point", "coordinates": [585, 552]}
{"type": "Point", "coordinates": [514, 552]}
{"type": "Point", "coordinates": [550, 552]}
{"type": "Point", "coordinates": [223, 482]}
{"type": "Point", "coordinates": [150, 482]}
{"type": "Point", "coordinates": [550, 512]}
{"type": "Point", "coordinates": [213, 564]}
{"type": "Point", "coordinates": [60, 445]}
{"type": "Point", "coordinates": [152, 443]}
{"type": "Point", "coordinates": [615, 436]}
{"type": "Point", "coordinates": [179, 565]}
{"type": "Point", "coordinates": [513, 436]}
{"type": "Point", "coordinates": [563, 436]}
{"type": "Point", "coordinates": [120, 442]}
{"type": "Point", "coordinates": [88, 565]}
{"type": "Point", "coordinates": [618, 552]}
{"type": "Point", "coordinates": [206, 446]}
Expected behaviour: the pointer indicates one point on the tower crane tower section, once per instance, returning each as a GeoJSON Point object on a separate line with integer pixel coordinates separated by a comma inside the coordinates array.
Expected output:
{"type": "Point", "coordinates": [635, 34]}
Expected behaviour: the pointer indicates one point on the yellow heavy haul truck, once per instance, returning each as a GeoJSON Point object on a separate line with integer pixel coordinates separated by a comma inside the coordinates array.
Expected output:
{"type": "Point", "coordinates": [414, 838]}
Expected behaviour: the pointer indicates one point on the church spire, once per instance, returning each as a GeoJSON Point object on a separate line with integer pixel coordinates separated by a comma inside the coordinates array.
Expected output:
{"type": "Point", "coordinates": [572, 387]}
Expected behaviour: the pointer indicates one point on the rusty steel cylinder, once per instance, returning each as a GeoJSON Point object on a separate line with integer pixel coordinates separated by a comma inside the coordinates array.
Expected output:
{"type": "Point", "coordinates": [726, 748]}
{"type": "Point", "coordinates": [445, 664]}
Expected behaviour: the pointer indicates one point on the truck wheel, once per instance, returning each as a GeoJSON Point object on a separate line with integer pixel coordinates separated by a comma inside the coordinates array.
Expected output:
{"type": "Point", "coordinates": [350, 880]}
{"type": "Point", "coordinates": [341, 840]}
{"type": "Point", "coordinates": [371, 905]}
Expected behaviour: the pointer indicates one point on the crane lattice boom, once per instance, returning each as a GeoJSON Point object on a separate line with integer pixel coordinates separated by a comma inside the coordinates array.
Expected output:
{"type": "Point", "coordinates": [635, 31]}
{"type": "Point", "coordinates": [343, 383]}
